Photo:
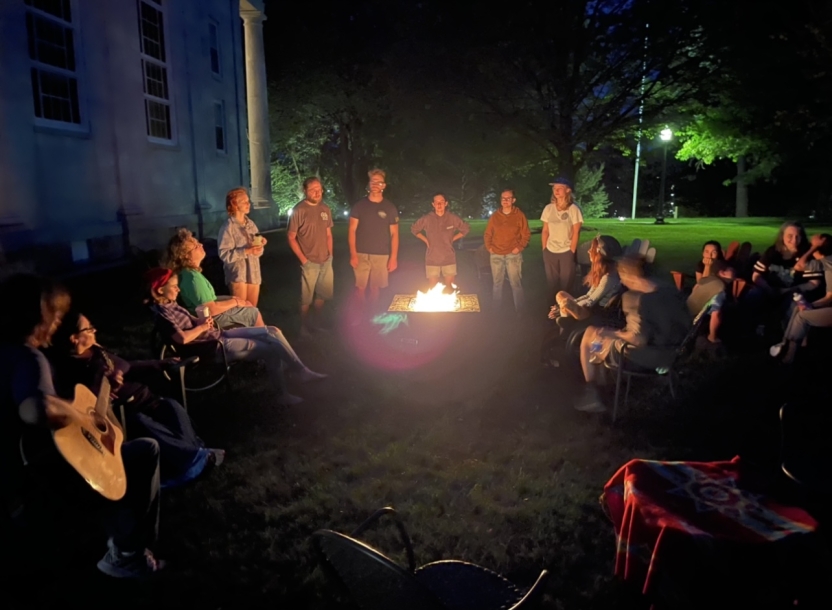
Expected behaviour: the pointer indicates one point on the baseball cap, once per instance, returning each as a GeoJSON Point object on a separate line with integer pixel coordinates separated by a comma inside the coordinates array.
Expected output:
{"type": "Point", "coordinates": [561, 180]}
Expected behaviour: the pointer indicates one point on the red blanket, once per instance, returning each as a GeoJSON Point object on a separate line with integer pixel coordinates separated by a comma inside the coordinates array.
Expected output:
{"type": "Point", "coordinates": [651, 501]}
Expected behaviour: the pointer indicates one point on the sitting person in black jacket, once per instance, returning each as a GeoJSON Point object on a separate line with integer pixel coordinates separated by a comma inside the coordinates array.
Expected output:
{"type": "Point", "coordinates": [78, 358]}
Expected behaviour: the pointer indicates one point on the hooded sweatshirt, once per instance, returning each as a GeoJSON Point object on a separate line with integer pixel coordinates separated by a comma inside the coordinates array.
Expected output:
{"type": "Point", "coordinates": [505, 232]}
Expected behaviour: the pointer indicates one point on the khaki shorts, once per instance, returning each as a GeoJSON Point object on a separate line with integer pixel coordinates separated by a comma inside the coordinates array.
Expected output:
{"type": "Point", "coordinates": [316, 281]}
{"type": "Point", "coordinates": [440, 270]}
{"type": "Point", "coordinates": [372, 269]}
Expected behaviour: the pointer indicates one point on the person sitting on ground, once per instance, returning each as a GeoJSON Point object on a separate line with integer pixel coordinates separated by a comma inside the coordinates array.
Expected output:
{"type": "Point", "coordinates": [266, 343]}
{"type": "Point", "coordinates": [184, 256]}
{"type": "Point", "coordinates": [712, 295]}
{"type": "Point", "coordinates": [30, 410]}
{"type": "Point", "coordinates": [603, 285]}
{"type": "Point", "coordinates": [78, 358]}
{"type": "Point", "coordinates": [657, 322]}
{"type": "Point", "coordinates": [711, 251]}
{"type": "Point", "coordinates": [815, 308]}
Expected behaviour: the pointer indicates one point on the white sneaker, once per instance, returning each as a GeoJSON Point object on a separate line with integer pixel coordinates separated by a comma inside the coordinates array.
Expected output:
{"type": "Point", "coordinates": [306, 375]}
{"type": "Point", "coordinates": [775, 349]}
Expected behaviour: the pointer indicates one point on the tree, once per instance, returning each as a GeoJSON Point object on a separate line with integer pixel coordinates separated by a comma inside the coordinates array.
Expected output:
{"type": "Point", "coordinates": [724, 131]}
{"type": "Point", "coordinates": [591, 194]}
{"type": "Point", "coordinates": [571, 75]}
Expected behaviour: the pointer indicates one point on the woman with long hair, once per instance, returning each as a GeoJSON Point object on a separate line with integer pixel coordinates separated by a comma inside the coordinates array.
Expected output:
{"type": "Point", "coordinates": [603, 285]}
{"type": "Point", "coordinates": [78, 358]}
{"type": "Point", "coordinates": [184, 257]}
{"type": "Point", "coordinates": [778, 275]}
{"type": "Point", "coordinates": [711, 251]}
{"type": "Point", "coordinates": [240, 247]}
{"type": "Point", "coordinates": [266, 343]}
{"type": "Point", "coordinates": [562, 220]}
{"type": "Point", "coordinates": [30, 409]}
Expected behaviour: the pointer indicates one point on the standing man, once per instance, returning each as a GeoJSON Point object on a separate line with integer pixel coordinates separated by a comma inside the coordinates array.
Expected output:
{"type": "Point", "coordinates": [441, 229]}
{"type": "Point", "coordinates": [562, 221]}
{"type": "Point", "coordinates": [373, 238]}
{"type": "Point", "coordinates": [310, 238]}
{"type": "Point", "coordinates": [506, 236]}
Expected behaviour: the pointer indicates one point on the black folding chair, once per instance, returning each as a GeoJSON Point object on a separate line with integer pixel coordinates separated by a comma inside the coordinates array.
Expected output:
{"type": "Point", "coordinates": [376, 582]}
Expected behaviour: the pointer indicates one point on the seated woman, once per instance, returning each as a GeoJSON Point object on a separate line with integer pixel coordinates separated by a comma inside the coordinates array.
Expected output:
{"type": "Point", "coordinates": [815, 308]}
{"type": "Point", "coordinates": [777, 276]}
{"type": "Point", "coordinates": [657, 321]}
{"type": "Point", "coordinates": [711, 251]}
{"type": "Point", "coordinates": [602, 284]}
{"type": "Point", "coordinates": [184, 256]}
{"type": "Point", "coordinates": [712, 296]}
{"type": "Point", "coordinates": [77, 358]}
{"type": "Point", "coordinates": [266, 343]}
{"type": "Point", "coordinates": [30, 410]}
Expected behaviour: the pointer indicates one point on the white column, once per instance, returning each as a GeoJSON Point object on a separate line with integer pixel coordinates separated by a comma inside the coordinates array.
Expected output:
{"type": "Point", "coordinates": [258, 108]}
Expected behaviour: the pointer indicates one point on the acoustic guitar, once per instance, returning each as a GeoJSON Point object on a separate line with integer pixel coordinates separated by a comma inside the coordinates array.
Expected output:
{"type": "Point", "coordinates": [91, 442]}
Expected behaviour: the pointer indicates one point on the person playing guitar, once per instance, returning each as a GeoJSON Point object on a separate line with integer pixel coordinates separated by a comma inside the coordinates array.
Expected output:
{"type": "Point", "coordinates": [31, 413]}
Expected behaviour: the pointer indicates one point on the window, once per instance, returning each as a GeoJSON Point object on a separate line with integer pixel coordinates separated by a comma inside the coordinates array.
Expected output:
{"type": "Point", "coordinates": [214, 47]}
{"type": "Point", "coordinates": [219, 125]}
{"type": "Point", "coordinates": [157, 106]}
{"type": "Point", "coordinates": [51, 36]}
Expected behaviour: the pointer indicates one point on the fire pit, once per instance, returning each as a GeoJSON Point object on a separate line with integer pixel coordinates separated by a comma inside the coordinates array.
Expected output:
{"type": "Point", "coordinates": [436, 300]}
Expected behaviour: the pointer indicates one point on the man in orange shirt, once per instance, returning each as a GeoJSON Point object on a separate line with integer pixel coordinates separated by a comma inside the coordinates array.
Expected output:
{"type": "Point", "coordinates": [506, 236]}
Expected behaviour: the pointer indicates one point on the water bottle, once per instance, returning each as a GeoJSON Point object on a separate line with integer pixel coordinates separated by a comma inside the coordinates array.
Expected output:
{"type": "Point", "coordinates": [800, 301]}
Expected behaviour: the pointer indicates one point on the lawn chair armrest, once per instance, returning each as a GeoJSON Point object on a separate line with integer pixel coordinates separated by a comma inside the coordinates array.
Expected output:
{"type": "Point", "coordinates": [175, 366]}
{"type": "Point", "coordinates": [389, 510]}
{"type": "Point", "coordinates": [679, 278]}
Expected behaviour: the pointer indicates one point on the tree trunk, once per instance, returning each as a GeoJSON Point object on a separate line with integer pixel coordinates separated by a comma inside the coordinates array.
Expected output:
{"type": "Point", "coordinates": [742, 190]}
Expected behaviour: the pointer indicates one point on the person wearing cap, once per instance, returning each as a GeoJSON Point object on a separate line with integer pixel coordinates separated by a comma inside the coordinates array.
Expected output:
{"type": "Point", "coordinates": [562, 220]}
{"type": "Point", "coordinates": [267, 343]}
{"type": "Point", "coordinates": [439, 230]}
{"type": "Point", "coordinates": [506, 236]}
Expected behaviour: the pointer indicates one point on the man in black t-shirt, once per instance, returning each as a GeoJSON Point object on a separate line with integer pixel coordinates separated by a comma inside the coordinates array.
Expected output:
{"type": "Point", "coordinates": [373, 238]}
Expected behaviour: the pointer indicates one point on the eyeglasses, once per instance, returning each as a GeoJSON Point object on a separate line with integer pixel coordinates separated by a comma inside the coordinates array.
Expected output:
{"type": "Point", "coordinates": [88, 329]}
{"type": "Point", "coordinates": [376, 183]}
{"type": "Point", "coordinates": [198, 245]}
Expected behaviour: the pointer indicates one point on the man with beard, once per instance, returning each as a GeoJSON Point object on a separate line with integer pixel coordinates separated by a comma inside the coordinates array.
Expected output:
{"type": "Point", "coordinates": [310, 237]}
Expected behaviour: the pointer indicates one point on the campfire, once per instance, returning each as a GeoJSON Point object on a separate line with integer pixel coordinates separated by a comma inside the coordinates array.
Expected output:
{"type": "Point", "coordinates": [436, 300]}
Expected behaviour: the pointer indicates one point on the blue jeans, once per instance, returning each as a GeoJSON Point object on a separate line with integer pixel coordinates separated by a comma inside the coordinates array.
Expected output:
{"type": "Point", "coordinates": [511, 264]}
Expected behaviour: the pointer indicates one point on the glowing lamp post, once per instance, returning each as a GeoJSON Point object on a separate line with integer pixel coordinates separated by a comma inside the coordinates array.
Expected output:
{"type": "Point", "coordinates": [666, 135]}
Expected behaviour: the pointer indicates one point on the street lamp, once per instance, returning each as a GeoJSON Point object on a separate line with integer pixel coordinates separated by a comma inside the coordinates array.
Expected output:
{"type": "Point", "coordinates": [666, 135]}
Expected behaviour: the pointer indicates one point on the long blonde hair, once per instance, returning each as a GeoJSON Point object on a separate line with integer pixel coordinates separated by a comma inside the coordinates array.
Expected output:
{"type": "Point", "coordinates": [569, 201]}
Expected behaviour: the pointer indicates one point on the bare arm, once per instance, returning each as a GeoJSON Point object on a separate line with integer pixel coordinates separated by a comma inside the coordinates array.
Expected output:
{"type": "Point", "coordinates": [215, 308]}
{"type": "Point", "coordinates": [824, 301]}
{"type": "Point", "coordinates": [544, 236]}
{"type": "Point", "coordinates": [329, 241]}
{"type": "Point", "coordinates": [292, 236]}
{"type": "Point", "coordinates": [392, 263]}
{"type": "Point", "coordinates": [576, 235]}
{"type": "Point", "coordinates": [351, 240]}
{"type": "Point", "coordinates": [183, 337]}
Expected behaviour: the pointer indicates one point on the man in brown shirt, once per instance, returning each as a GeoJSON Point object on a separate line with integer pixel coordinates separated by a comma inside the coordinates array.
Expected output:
{"type": "Point", "coordinates": [506, 236]}
{"type": "Point", "coordinates": [310, 237]}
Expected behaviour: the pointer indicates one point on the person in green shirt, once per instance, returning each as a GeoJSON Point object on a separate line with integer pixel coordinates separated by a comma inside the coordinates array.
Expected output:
{"type": "Point", "coordinates": [184, 256]}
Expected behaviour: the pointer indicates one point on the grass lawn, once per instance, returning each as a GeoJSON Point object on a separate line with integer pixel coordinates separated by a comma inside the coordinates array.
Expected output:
{"type": "Point", "coordinates": [477, 447]}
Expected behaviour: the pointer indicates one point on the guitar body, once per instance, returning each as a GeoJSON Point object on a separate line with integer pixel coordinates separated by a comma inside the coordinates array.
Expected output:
{"type": "Point", "coordinates": [91, 443]}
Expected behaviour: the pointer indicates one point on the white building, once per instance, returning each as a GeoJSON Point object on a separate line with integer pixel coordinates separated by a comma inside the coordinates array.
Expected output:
{"type": "Point", "coordinates": [122, 119]}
